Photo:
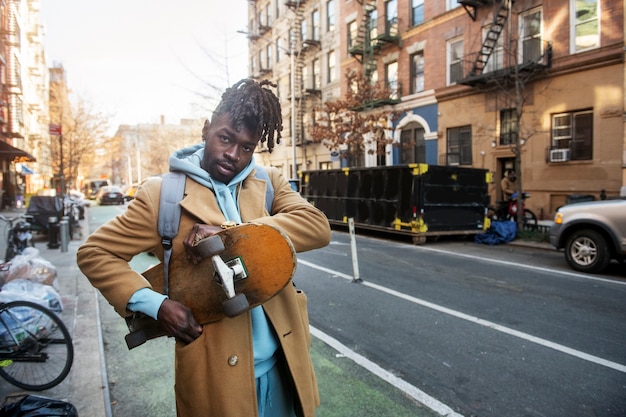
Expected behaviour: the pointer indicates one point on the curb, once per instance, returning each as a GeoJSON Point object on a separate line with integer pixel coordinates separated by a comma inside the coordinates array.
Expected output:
{"type": "Point", "coordinates": [86, 386]}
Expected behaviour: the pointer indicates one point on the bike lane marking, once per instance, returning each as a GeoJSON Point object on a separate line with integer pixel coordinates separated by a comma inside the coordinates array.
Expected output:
{"type": "Point", "coordinates": [399, 383]}
{"type": "Point", "coordinates": [486, 323]}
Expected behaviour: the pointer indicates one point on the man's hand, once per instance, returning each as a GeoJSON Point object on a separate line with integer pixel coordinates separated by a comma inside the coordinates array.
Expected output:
{"type": "Point", "coordinates": [198, 232]}
{"type": "Point", "coordinates": [178, 321]}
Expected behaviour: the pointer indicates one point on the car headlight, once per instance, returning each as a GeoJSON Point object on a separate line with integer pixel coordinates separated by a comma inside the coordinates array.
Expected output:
{"type": "Point", "coordinates": [558, 219]}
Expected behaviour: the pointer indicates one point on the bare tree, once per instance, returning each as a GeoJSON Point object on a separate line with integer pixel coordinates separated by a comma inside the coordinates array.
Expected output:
{"type": "Point", "coordinates": [83, 132]}
{"type": "Point", "coordinates": [354, 125]}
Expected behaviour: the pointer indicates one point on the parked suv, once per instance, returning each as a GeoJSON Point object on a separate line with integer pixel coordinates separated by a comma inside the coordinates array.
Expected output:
{"type": "Point", "coordinates": [592, 233]}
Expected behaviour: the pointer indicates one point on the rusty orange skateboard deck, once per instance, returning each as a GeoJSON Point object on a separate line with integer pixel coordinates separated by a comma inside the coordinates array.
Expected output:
{"type": "Point", "coordinates": [242, 267]}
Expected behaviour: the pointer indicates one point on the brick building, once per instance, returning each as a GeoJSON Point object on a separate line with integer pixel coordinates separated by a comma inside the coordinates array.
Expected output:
{"type": "Point", "coordinates": [489, 84]}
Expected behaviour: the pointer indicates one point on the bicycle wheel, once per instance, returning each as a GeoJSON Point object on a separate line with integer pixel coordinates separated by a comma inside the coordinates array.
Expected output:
{"type": "Point", "coordinates": [36, 351]}
{"type": "Point", "coordinates": [530, 220]}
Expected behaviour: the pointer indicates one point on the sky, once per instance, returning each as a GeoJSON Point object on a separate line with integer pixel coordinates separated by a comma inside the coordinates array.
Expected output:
{"type": "Point", "coordinates": [138, 60]}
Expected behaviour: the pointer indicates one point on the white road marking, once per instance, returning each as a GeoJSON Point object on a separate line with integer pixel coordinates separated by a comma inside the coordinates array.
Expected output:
{"type": "Point", "coordinates": [387, 376]}
{"type": "Point", "coordinates": [564, 349]}
{"type": "Point", "coordinates": [527, 266]}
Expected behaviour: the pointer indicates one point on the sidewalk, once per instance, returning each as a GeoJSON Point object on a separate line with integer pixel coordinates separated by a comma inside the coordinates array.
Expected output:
{"type": "Point", "coordinates": [85, 387]}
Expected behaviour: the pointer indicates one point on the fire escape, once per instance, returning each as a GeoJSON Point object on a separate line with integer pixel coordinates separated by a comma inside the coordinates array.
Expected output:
{"type": "Point", "coordinates": [297, 47]}
{"type": "Point", "coordinates": [368, 44]}
{"type": "Point", "coordinates": [12, 94]}
{"type": "Point", "coordinates": [501, 15]}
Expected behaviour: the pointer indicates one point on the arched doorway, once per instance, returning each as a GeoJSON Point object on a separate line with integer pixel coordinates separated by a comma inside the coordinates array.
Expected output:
{"type": "Point", "coordinates": [412, 144]}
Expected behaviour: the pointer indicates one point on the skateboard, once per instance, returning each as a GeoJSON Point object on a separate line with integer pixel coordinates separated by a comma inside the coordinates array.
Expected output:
{"type": "Point", "coordinates": [243, 266]}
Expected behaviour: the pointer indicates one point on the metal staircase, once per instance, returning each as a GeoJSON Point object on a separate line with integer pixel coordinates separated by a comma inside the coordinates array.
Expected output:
{"type": "Point", "coordinates": [500, 17]}
{"type": "Point", "coordinates": [296, 48]}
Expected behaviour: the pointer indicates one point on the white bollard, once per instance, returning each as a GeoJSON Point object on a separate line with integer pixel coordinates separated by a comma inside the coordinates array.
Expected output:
{"type": "Point", "coordinates": [355, 260]}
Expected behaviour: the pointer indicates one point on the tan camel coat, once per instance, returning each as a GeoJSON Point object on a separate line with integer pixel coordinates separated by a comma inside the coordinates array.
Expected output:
{"type": "Point", "coordinates": [215, 373]}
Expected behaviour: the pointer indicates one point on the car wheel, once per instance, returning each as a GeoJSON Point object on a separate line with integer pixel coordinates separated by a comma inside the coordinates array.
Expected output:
{"type": "Point", "coordinates": [587, 251]}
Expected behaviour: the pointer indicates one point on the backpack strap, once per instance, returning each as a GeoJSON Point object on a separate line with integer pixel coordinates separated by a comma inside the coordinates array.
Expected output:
{"type": "Point", "coordinates": [262, 174]}
{"type": "Point", "coordinates": [172, 192]}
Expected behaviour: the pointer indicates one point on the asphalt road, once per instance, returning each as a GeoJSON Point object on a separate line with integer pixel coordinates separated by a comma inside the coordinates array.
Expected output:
{"type": "Point", "coordinates": [464, 328]}
{"type": "Point", "coordinates": [504, 331]}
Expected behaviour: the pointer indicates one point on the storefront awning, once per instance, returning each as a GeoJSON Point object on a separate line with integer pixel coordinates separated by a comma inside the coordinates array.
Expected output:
{"type": "Point", "coordinates": [14, 154]}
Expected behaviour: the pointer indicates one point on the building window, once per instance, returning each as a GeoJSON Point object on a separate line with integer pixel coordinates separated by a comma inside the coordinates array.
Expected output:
{"type": "Point", "coordinates": [417, 12]}
{"type": "Point", "coordinates": [391, 79]}
{"type": "Point", "coordinates": [455, 61]}
{"type": "Point", "coordinates": [268, 14]}
{"type": "Point", "coordinates": [412, 144]}
{"type": "Point", "coordinates": [331, 76]}
{"type": "Point", "coordinates": [353, 32]}
{"type": "Point", "coordinates": [391, 25]}
{"type": "Point", "coordinates": [315, 25]}
{"type": "Point", "coordinates": [372, 25]}
{"type": "Point", "coordinates": [459, 146]}
{"type": "Point", "coordinates": [531, 46]}
{"type": "Point", "coordinates": [417, 72]}
{"type": "Point", "coordinates": [269, 56]}
{"type": "Point", "coordinates": [303, 30]}
{"type": "Point", "coordinates": [262, 63]}
{"type": "Point", "coordinates": [317, 77]}
{"type": "Point", "coordinates": [585, 25]}
{"type": "Point", "coordinates": [279, 49]}
{"type": "Point", "coordinates": [330, 15]}
{"type": "Point", "coordinates": [508, 127]}
{"type": "Point", "coordinates": [574, 131]}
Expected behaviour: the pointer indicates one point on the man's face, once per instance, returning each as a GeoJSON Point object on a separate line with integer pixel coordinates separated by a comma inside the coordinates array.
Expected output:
{"type": "Point", "coordinates": [227, 151]}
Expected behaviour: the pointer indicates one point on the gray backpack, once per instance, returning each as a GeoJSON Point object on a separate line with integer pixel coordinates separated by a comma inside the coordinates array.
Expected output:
{"type": "Point", "coordinates": [172, 192]}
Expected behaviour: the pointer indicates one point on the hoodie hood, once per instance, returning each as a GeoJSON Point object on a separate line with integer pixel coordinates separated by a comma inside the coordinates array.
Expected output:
{"type": "Point", "coordinates": [188, 160]}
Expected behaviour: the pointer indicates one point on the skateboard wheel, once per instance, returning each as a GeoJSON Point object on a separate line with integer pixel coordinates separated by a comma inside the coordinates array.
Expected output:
{"type": "Point", "coordinates": [210, 246]}
{"type": "Point", "coordinates": [236, 305]}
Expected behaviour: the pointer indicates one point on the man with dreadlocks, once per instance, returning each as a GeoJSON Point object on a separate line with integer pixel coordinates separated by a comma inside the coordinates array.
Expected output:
{"type": "Point", "coordinates": [258, 363]}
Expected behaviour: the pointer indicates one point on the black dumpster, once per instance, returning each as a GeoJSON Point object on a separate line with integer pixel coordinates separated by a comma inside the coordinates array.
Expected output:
{"type": "Point", "coordinates": [416, 199]}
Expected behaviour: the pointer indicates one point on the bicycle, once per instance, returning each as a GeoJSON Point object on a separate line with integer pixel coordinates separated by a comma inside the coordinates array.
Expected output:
{"type": "Point", "coordinates": [19, 236]}
{"type": "Point", "coordinates": [36, 349]}
{"type": "Point", "coordinates": [507, 210]}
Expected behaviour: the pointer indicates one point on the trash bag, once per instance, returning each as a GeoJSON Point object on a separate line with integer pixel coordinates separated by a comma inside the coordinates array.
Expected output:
{"type": "Point", "coordinates": [36, 406]}
{"type": "Point", "coordinates": [499, 232]}
{"type": "Point", "coordinates": [27, 290]}
{"type": "Point", "coordinates": [29, 265]}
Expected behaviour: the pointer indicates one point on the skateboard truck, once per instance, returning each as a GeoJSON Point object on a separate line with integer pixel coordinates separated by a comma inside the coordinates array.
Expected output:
{"type": "Point", "coordinates": [226, 274]}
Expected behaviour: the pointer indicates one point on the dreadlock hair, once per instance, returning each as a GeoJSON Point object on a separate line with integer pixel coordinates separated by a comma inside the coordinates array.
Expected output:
{"type": "Point", "coordinates": [253, 105]}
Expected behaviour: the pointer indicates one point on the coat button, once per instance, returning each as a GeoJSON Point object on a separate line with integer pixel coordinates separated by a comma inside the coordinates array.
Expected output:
{"type": "Point", "coordinates": [232, 361]}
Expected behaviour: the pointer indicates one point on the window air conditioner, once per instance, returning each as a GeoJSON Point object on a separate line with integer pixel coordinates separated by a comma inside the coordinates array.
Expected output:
{"type": "Point", "coordinates": [559, 155]}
